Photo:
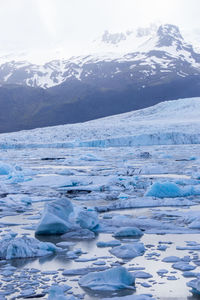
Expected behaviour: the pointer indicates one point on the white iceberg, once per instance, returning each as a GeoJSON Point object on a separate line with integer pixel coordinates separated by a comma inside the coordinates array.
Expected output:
{"type": "Point", "coordinates": [183, 266]}
{"type": "Point", "coordinates": [128, 232]}
{"type": "Point", "coordinates": [61, 216]}
{"type": "Point", "coordinates": [109, 280]}
{"type": "Point", "coordinates": [128, 251]}
{"type": "Point", "coordinates": [112, 243]}
{"type": "Point", "coordinates": [79, 234]}
{"type": "Point", "coordinates": [88, 219]}
{"type": "Point", "coordinates": [171, 190]}
{"type": "Point", "coordinates": [164, 190]}
{"type": "Point", "coordinates": [57, 292]}
{"type": "Point", "coordinates": [55, 218]}
{"type": "Point", "coordinates": [12, 246]}
{"type": "Point", "coordinates": [195, 285]}
{"type": "Point", "coordinates": [5, 169]}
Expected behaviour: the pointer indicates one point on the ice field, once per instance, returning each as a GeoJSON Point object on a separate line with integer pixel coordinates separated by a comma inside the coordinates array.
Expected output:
{"type": "Point", "coordinates": [108, 209]}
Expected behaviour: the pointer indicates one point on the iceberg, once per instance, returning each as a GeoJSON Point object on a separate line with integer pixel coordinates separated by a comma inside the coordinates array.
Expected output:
{"type": "Point", "coordinates": [5, 169]}
{"type": "Point", "coordinates": [171, 190]}
{"type": "Point", "coordinates": [110, 280]}
{"type": "Point", "coordinates": [56, 218]}
{"type": "Point", "coordinates": [164, 190]}
{"type": "Point", "coordinates": [128, 232]}
{"type": "Point", "coordinates": [195, 285]}
{"type": "Point", "coordinates": [79, 234]}
{"type": "Point", "coordinates": [88, 219]}
{"type": "Point", "coordinates": [128, 251]}
{"type": "Point", "coordinates": [12, 246]}
{"type": "Point", "coordinates": [112, 243]}
{"type": "Point", "coordinates": [183, 266]}
{"type": "Point", "coordinates": [57, 292]}
{"type": "Point", "coordinates": [61, 216]}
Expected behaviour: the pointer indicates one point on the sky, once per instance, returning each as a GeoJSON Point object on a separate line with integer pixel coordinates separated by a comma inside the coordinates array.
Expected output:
{"type": "Point", "coordinates": [41, 25]}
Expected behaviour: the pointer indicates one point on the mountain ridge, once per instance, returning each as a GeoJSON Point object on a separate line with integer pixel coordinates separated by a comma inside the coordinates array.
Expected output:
{"type": "Point", "coordinates": [94, 86]}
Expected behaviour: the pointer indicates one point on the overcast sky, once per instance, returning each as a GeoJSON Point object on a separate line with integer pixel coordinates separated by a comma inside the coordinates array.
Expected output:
{"type": "Point", "coordinates": [44, 24]}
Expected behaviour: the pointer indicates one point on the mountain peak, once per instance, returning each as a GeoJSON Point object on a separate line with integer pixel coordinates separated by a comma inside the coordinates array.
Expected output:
{"type": "Point", "coordinates": [167, 34]}
{"type": "Point", "coordinates": [114, 38]}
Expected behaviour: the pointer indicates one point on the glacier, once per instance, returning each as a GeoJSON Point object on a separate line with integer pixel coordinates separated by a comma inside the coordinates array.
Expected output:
{"type": "Point", "coordinates": [150, 126]}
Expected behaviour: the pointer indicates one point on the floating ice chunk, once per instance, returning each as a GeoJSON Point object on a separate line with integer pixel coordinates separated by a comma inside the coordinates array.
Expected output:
{"type": "Point", "coordinates": [27, 292]}
{"type": "Point", "coordinates": [74, 254]}
{"type": "Point", "coordinates": [161, 272]}
{"type": "Point", "coordinates": [5, 169]}
{"type": "Point", "coordinates": [26, 200]}
{"type": "Point", "coordinates": [183, 266]}
{"type": "Point", "coordinates": [171, 190]}
{"type": "Point", "coordinates": [55, 218]}
{"type": "Point", "coordinates": [145, 155]}
{"type": "Point", "coordinates": [88, 219]}
{"type": "Point", "coordinates": [17, 177]}
{"type": "Point", "coordinates": [56, 292]}
{"type": "Point", "coordinates": [128, 231]}
{"type": "Point", "coordinates": [172, 278]}
{"type": "Point", "coordinates": [65, 244]}
{"type": "Point", "coordinates": [58, 181]}
{"type": "Point", "coordinates": [146, 285]}
{"type": "Point", "coordinates": [195, 285]}
{"type": "Point", "coordinates": [162, 247]}
{"type": "Point", "coordinates": [22, 247]}
{"type": "Point", "coordinates": [84, 271]}
{"type": "Point", "coordinates": [146, 202]}
{"type": "Point", "coordinates": [128, 251]}
{"type": "Point", "coordinates": [85, 259]}
{"type": "Point", "coordinates": [141, 274]}
{"type": "Point", "coordinates": [112, 243]}
{"type": "Point", "coordinates": [123, 196]}
{"type": "Point", "coordinates": [188, 274]}
{"type": "Point", "coordinates": [164, 190]}
{"type": "Point", "coordinates": [99, 263]}
{"type": "Point", "coordinates": [195, 224]}
{"type": "Point", "coordinates": [196, 175]}
{"type": "Point", "coordinates": [109, 280]}
{"type": "Point", "coordinates": [171, 259]}
{"type": "Point", "coordinates": [79, 234]}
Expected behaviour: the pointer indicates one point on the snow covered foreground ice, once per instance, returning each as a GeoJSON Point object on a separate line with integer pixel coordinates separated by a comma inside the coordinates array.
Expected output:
{"type": "Point", "coordinates": [111, 202]}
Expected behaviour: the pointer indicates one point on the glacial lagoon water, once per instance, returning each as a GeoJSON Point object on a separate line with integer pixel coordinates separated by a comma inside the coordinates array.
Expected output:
{"type": "Point", "coordinates": [103, 176]}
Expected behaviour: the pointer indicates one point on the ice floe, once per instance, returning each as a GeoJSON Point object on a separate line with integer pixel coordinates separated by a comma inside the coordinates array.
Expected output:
{"type": "Point", "coordinates": [109, 280]}
{"type": "Point", "coordinates": [55, 218]}
{"type": "Point", "coordinates": [128, 232]}
{"type": "Point", "coordinates": [128, 251]}
{"type": "Point", "coordinates": [12, 246]}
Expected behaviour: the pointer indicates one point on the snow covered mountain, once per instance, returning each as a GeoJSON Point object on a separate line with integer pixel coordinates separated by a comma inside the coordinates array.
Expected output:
{"type": "Point", "coordinates": [137, 56]}
{"type": "Point", "coordinates": [131, 70]}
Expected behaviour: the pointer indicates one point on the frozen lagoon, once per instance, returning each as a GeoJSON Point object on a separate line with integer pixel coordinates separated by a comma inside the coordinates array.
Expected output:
{"type": "Point", "coordinates": [117, 175]}
{"type": "Point", "coordinates": [137, 170]}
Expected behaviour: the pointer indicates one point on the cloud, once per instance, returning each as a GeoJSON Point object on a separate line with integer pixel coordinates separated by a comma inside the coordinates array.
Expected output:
{"type": "Point", "coordinates": [35, 24]}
